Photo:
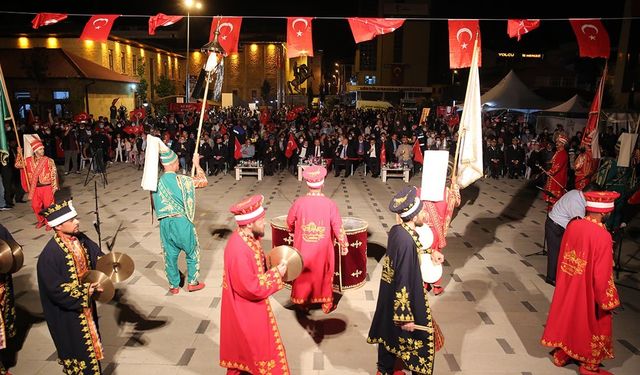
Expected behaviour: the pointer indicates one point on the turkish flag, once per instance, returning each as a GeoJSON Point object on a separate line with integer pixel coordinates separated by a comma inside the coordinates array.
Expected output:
{"type": "Point", "coordinates": [264, 116]}
{"type": "Point", "coordinates": [593, 38]}
{"type": "Point", "coordinates": [161, 19]}
{"type": "Point", "coordinates": [364, 29]}
{"type": "Point", "coordinates": [299, 37]}
{"type": "Point", "coordinates": [462, 35]}
{"type": "Point", "coordinates": [237, 151]}
{"type": "Point", "coordinates": [229, 28]}
{"type": "Point", "coordinates": [383, 154]}
{"type": "Point", "coordinates": [291, 146]}
{"type": "Point", "coordinates": [46, 19]}
{"type": "Point", "coordinates": [137, 114]}
{"type": "Point", "coordinates": [517, 28]}
{"type": "Point", "coordinates": [417, 153]}
{"type": "Point", "coordinates": [98, 27]}
{"type": "Point", "coordinates": [81, 117]}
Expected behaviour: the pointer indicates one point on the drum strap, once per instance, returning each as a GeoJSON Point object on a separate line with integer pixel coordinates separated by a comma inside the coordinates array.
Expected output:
{"type": "Point", "coordinates": [416, 240]}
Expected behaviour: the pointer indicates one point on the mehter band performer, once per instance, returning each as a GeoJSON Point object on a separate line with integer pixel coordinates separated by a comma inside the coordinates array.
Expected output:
{"type": "Point", "coordinates": [402, 325]}
{"type": "Point", "coordinates": [70, 312]}
{"type": "Point", "coordinates": [315, 222]}
{"type": "Point", "coordinates": [39, 177]}
{"type": "Point", "coordinates": [7, 305]}
{"type": "Point", "coordinates": [250, 341]}
{"type": "Point", "coordinates": [579, 325]}
{"type": "Point", "coordinates": [174, 201]}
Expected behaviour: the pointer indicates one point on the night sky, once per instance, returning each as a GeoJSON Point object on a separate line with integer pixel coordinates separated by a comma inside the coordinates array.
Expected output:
{"type": "Point", "coordinates": [334, 36]}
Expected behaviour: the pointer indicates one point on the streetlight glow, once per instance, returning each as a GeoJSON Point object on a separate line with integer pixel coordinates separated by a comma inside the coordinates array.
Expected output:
{"type": "Point", "coordinates": [188, 3]}
{"type": "Point", "coordinates": [198, 5]}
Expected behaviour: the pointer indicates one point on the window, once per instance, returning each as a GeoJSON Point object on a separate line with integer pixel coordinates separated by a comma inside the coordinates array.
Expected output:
{"type": "Point", "coordinates": [61, 95]}
{"type": "Point", "coordinates": [165, 70]}
{"type": "Point", "coordinates": [134, 64]}
{"type": "Point", "coordinates": [254, 94]}
{"type": "Point", "coordinates": [123, 63]}
{"type": "Point", "coordinates": [368, 55]}
{"type": "Point", "coordinates": [111, 59]}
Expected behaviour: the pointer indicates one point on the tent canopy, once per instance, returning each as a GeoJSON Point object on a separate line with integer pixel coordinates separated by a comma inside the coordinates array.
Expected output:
{"type": "Point", "coordinates": [575, 105]}
{"type": "Point", "coordinates": [510, 93]}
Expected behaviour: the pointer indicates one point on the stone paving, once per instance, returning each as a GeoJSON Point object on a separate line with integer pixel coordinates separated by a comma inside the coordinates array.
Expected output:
{"type": "Point", "coordinates": [492, 312]}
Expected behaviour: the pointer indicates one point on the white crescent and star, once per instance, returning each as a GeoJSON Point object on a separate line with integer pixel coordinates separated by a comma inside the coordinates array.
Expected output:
{"type": "Point", "coordinates": [104, 22]}
{"type": "Point", "coordinates": [293, 25]}
{"type": "Point", "coordinates": [461, 31]}
{"type": "Point", "coordinates": [225, 24]}
{"type": "Point", "coordinates": [50, 22]}
{"type": "Point", "coordinates": [586, 26]}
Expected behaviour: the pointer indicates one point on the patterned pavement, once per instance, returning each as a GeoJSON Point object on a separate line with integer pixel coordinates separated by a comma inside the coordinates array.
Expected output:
{"type": "Point", "coordinates": [492, 312]}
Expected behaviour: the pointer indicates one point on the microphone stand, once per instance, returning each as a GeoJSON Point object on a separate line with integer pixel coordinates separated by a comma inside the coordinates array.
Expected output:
{"type": "Point", "coordinates": [96, 224]}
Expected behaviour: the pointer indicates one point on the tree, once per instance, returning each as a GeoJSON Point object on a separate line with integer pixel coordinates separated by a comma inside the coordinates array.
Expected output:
{"type": "Point", "coordinates": [143, 85]}
{"type": "Point", "coordinates": [265, 91]}
{"type": "Point", "coordinates": [164, 88]}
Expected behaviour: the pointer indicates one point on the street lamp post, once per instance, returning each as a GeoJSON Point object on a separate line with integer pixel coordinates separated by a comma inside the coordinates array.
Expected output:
{"type": "Point", "coordinates": [189, 4]}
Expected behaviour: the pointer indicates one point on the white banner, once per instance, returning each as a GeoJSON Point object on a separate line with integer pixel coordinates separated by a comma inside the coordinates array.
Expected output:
{"type": "Point", "coordinates": [434, 175]}
{"type": "Point", "coordinates": [470, 166]}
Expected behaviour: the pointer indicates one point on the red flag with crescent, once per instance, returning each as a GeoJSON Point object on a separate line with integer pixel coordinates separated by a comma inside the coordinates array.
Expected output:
{"type": "Point", "coordinates": [98, 27]}
{"type": "Point", "coordinates": [517, 28]}
{"type": "Point", "coordinates": [137, 114]}
{"type": "Point", "coordinates": [417, 153]}
{"type": "Point", "coordinates": [237, 150]}
{"type": "Point", "coordinates": [462, 35]}
{"type": "Point", "coordinates": [383, 154]}
{"type": "Point", "coordinates": [81, 117]}
{"type": "Point", "coordinates": [46, 19]}
{"type": "Point", "coordinates": [593, 38]}
{"type": "Point", "coordinates": [161, 19]}
{"type": "Point", "coordinates": [291, 146]}
{"type": "Point", "coordinates": [364, 29]}
{"type": "Point", "coordinates": [229, 36]}
{"type": "Point", "coordinates": [299, 37]}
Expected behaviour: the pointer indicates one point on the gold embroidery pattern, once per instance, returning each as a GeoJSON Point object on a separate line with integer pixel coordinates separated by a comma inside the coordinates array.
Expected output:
{"type": "Point", "coordinates": [606, 349]}
{"type": "Point", "coordinates": [601, 346]}
{"type": "Point", "coordinates": [234, 365]}
{"type": "Point", "coordinates": [387, 270]}
{"type": "Point", "coordinates": [402, 306]}
{"type": "Point", "coordinates": [312, 232]}
{"type": "Point", "coordinates": [612, 294]}
{"type": "Point", "coordinates": [412, 359]}
{"type": "Point", "coordinates": [73, 366]}
{"type": "Point", "coordinates": [572, 264]}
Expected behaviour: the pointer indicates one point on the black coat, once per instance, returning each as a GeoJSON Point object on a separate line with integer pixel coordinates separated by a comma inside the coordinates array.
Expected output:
{"type": "Point", "coordinates": [64, 299]}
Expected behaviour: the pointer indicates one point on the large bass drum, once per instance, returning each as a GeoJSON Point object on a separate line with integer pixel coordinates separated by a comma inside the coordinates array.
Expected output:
{"type": "Point", "coordinates": [354, 264]}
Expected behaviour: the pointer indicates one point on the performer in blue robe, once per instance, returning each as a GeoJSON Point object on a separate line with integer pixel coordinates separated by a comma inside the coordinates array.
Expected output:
{"type": "Point", "coordinates": [7, 305]}
{"type": "Point", "coordinates": [70, 312]}
{"type": "Point", "coordinates": [402, 300]}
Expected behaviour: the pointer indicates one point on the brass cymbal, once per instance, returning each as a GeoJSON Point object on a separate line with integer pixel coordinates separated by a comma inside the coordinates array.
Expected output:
{"type": "Point", "coordinates": [117, 266]}
{"type": "Point", "coordinates": [6, 257]}
{"type": "Point", "coordinates": [104, 282]}
{"type": "Point", "coordinates": [18, 256]}
{"type": "Point", "coordinates": [289, 255]}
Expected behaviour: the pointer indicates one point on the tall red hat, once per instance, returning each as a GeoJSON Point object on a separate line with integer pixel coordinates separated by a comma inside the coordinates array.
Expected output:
{"type": "Point", "coordinates": [36, 144]}
{"type": "Point", "coordinates": [248, 210]}
{"type": "Point", "coordinates": [314, 176]}
{"type": "Point", "coordinates": [600, 201]}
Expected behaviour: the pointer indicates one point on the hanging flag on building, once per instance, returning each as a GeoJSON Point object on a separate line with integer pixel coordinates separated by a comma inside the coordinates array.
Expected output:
{"type": "Point", "coordinates": [299, 37]}
{"type": "Point", "coordinates": [462, 36]}
{"type": "Point", "coordinates": [517, 28]}
{"type": "Point", "coordinates": [470, 167]}
{"type": "Point", "coordinates": [593, 38]}
{"type": "Point", "coordinates": [161, 19]}
{"type": "Point", "coordinates": [364, 29]}
{"type": "Point", "coordinates": [46, 19]}
{"type": "Point", "coordinates": [98, 27]}
{"type": "Point", "coordinates": [229, 36]}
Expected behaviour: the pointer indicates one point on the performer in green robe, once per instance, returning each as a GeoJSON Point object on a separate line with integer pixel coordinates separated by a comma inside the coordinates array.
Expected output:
{"type": "Point", "coordinates": [174, 201]}
{"type": "Point", "coordinates": [402, 300]}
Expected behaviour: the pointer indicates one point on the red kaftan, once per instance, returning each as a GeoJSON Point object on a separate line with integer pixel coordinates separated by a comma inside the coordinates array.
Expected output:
{"type": "Point", "coordinates": [249, 336]}
{"type": "Point", "coordinates": [557, 184]}
{"type": "Point", "coordinates": [315, 222]}
{"type": "Point", "coordinates": [42, 178]}
{"type": "Point", "coordinates": [580, 319]}
{"type": "Point", "coordinates": [583, 169]}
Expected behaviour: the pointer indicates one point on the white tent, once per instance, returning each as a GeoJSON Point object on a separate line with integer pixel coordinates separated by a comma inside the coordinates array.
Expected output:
{"type": "Point", "coordinates": [574, 106]}
{"type": "Point", "coordinates": [510, 93]}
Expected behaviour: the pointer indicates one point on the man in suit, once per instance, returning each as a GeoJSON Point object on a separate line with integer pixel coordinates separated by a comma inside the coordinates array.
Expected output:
{"type": "Point", "coordinates": [317, 151]}
{"type": "Point", "coordinates": [342, 161]}
{"type": "Point", "coordinates": [218, 157]}
{"type": "Point", "coordinates": [373, 158]}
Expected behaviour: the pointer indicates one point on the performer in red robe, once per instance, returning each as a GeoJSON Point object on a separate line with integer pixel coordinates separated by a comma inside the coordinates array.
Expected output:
{"type": "Point", "coordinates": [249, 337]}
{"type": "Point", "coordinates": [579, 324]}
{"type": "Point", "coordinates": [40, 178]}
{"type": "Point", "coordinates": [438, 217]}
{"type": "Point", "coordinates": [584, 169]}
{"type": "Point", "coordinates": [315, 222]}
{"type": "Point", "coordinates": [557, 175]}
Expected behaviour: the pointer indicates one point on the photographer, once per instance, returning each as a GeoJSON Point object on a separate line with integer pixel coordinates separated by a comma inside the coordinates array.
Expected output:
{"type": "Point", "coordinates": [71, 148]}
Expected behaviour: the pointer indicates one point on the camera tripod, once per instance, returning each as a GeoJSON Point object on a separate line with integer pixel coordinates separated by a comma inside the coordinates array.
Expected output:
{"type": "Point", "coordinates": [97, 166]}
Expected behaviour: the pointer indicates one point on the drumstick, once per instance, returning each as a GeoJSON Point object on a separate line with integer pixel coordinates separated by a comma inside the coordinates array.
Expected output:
{"type": "Point", "coordinates": [423, 328]}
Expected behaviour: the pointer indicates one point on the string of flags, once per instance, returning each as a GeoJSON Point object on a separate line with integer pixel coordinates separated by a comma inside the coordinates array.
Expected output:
{"type": "Point", "coordinates": [593, 38]}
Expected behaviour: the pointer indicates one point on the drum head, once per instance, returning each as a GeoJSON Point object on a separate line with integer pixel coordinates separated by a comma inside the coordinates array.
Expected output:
{"type": "Point", "coordinates": [354, 225]}
{"type": "Point", "coordinates": [289, 255]}
{"type": "Point", "coordinates": [430, 272]}
{"type": "Point", "coordinates": [425, 235]}
{"type": "Point", "coordinates": [280, 222]}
